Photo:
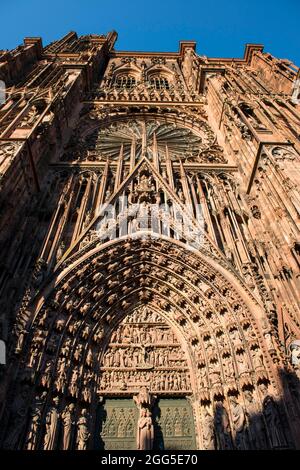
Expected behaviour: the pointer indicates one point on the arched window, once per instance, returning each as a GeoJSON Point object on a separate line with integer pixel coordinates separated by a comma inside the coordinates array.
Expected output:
{"type": "Point", "coordinates": [159, 83]}
{"type": "Point", "coordinates": [125, 81]}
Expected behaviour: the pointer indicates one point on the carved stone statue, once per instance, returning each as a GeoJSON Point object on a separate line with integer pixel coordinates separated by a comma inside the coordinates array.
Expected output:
{"type": "Point", "coordinates": [20, 340]}
{"type": "Point", "coordinates": [256, 428]}
{"type": "Point", "coordinates": [222, 428]}
{"type": "Point", "coordinates": [239, 425]}
{"type": "Point", "coordinates": [82, 431]}
{"type": "Point", "coordinates": [67, 418]}
{"type": "Point", "coordinates": [294, 349]}
{"type": "Point", "coordinates": [33, 430]}
{"type": "Point", "coordinates": [145, 434]}
{"type": "Point", "coordinates": [208, 429]}
{"type": "Point", "coordinates": [51, 426]}
{"type": "Point", "coordinates": [35, 415]}
{"type": "Point", "coordinates": [274, 424]}
{"type": "Point", "coordinates": [257, 359]}
{"type": "Point", "coordinates": [269, 341]}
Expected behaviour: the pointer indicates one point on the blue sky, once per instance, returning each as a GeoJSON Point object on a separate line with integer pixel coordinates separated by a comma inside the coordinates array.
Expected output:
{"type": "Point", "coordinates": [221, 28]}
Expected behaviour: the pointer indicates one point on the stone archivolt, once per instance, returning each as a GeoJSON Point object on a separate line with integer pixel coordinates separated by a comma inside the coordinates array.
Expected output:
{"type": "Point", "coordinates": [199, 318]}
{"type": "Point", "coordinates": [81, 344]}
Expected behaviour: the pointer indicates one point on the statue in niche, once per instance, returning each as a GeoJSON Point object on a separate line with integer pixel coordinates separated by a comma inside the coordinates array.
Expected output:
{"type": "Point", "coordinates": [145, 434]}
{"type": "Point", "coordinates": [51, 426]}
{"type": "Point", "coordinates": [47, 375]}
{"type": "Point", "coordinates": [85, 333]}
{"type": "Point", "coordinates": [67, 418]}
{"type": "Point", "coordinates": [73, 388]}
{"type": "Point", "coordinates": [294, 351]}
{"type": "Point", "coordinates": [235, 337]}
{"type": "Point", "coordinates": [273, 421]}
{"type": "Point", "coordinates": [269, 341]}
{"type": "Point", "coordinates": [208, 429]}
{"type": "Point", "coordinates": [263, 389]}
{"type": "Point", "coordinates": [239, 425]}
{"type": "Point", "coordinates": [33, 430]}
{"type": "Point", "coordinates": [82, 431]}
{"type": "Point", "coordinates": [65, 350]}
{"type": "Point", "coordinates": [61, 375]}
{"type": "Point", "coordinates": [35, 422]}
{"type": "Point", "coordinates": [214, 373]}
{"type": "Point", "coordinates": [242, 363]}
{"type": "Point", "coordinates": [257, 359]}
{"type": "Point", "coordinates": [228, 367]}
{"type": "Point", "coordinates": [222, 428]}
{"type": "Point", "coordinates": [257, 433]}
{"type": "Point", "coordinates": [21, 335]}
{"type": "Point", "coordinates": [89, 358]}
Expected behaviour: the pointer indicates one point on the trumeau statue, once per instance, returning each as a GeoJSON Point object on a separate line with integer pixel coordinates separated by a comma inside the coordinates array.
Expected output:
{"type": "Point", "coordinates": [162, 265]}
{"type": "Point", "coordinates": [145, 433]}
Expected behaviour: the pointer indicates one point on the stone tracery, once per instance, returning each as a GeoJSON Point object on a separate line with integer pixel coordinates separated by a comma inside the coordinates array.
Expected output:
{"type": "Point", "coordinates": [105, 310]}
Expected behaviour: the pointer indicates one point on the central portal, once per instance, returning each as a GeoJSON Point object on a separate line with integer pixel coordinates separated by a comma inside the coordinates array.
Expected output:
{"type": "Point", "coordinates": [144, 353]}
{"type": "Point", "coordinates": [172, 418]}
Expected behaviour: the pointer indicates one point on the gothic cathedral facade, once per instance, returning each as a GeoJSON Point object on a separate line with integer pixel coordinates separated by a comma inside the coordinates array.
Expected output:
{"type": "Point", "coordinates": [150, 248]}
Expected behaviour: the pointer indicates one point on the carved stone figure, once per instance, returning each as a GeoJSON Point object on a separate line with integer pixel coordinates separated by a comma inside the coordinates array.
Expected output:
{"type": "Point", "coordinates": [145, 434]}
{"type": "Point", "coordinates": [208, 429]}
{"type": "Point", "coordinates": [47, 375]}
{"type": "Point", "coordinates": [269, 341]}
{"type": "Point", "coordinates": [51, 426]}
{"type": "Point", "coordinates": [35, 422]}
{"type": "Point", "coordinates": [274, 424]}
{"type": "Point", "coordinates": [82, 431]}
{"type": "Point", "coordinates": [239, 425]}
{"type": "Point", "coordinates": [73, 388]}
{"type": "Point", "coordinates": [67, 419]}
{"type": "Point", "coordinates": [294, 349]}
{"type": "Point", "coordinates": [222, 428]}
{"type": "Point", "coordinates": [256, 429]}
{"type": "Point", "coordinates": [257, 359]}
{"type": "Point", "coordinates": [33, 430]}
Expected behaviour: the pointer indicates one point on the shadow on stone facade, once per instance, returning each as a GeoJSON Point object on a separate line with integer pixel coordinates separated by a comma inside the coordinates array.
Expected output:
{"type": "Point", "coordinates": [271, 429]}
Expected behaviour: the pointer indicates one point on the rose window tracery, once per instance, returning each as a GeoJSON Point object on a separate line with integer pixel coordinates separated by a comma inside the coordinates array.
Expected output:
{"type": "Point", "coordinates": [148, 136]}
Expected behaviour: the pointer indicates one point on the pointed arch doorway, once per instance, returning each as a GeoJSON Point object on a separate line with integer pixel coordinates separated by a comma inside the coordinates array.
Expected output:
{"type": "Point", "coordinates": [144, 351]}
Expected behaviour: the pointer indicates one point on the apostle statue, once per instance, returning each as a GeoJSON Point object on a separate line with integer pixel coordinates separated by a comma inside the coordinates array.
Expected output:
{"type": "Point", "coordinates": [51, 426]}
{"type": "Point", "coordinates": [222, 428]}
{"type": "Point", "coordinates": [273, 421]}
{"type": "Point", "coordinates": [82, 431]}
{"type": "Point", "coordinates": [33, 431]}
{"type": "Point", "coordinates": [67, 424]}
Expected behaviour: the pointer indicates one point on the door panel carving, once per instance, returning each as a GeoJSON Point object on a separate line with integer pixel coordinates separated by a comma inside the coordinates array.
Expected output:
{"type": "Point", "coordinates": [174, 425]}
{"type": "Point", "coordinates": [117, 424]}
